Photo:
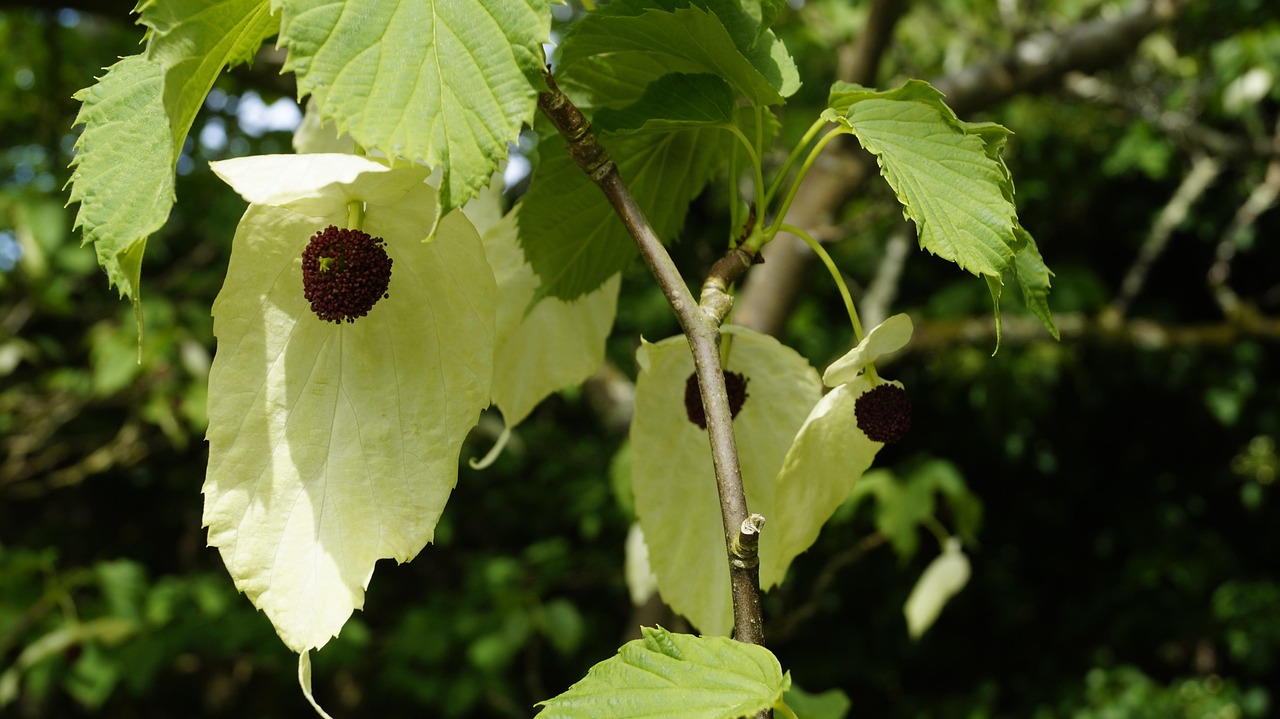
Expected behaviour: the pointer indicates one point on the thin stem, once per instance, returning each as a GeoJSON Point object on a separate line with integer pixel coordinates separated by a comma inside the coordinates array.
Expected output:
{"type": "Point", "coordinates": [840, 285]}
{"type": "Point", "coordinates": [752, 155]}
{"type": "Point", "coordinates": [791, 161]}
{"type": "Point", "coordinates": [835, 275]}
{"type": "Point", "coordinates": [804, 170]}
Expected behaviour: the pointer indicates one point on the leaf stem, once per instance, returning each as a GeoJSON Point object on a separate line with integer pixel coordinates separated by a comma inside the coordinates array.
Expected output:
{"type": "Point", "coordinates": [822, 254]}
{"type": "Point", "coordinates": [804, 170]}
{"type": "Point", "coordinates": [835, 275]}
{"type": "Point", "coordinates": [701, 327]}
{"type": "Point", "coordinates": [791, 161]}
{"type": "Point", "coordinates": [754, 156]}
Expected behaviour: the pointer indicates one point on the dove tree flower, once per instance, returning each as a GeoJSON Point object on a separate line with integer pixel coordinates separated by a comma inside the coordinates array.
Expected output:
{"type": "Point", "coordinates": [334, 444]}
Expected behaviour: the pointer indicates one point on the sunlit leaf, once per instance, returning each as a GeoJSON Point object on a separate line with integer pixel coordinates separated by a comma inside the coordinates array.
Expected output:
{"type": "Point", "coordinates": [194, 40]}
{"type": "Point", "coordinates": [122, 174]}
{"type": "Point", "coordinates": [334, 445]}
{"type": "Point", "coordinates": [681, 37]}
{"type": "Point", "coordinates": [676, 676]}
{"type": "Point", "coordinates": [946, 181]}
{"type": "Point", "coordinates": [443, 83]}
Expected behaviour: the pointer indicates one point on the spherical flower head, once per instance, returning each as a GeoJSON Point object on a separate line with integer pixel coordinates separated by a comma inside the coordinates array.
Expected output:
{"type": "Point", "coordinates": [735, 384]}
{"type": "Point", "coordinates": [884, 413]}
{"type": "Point", "coordinates": [344, 273]}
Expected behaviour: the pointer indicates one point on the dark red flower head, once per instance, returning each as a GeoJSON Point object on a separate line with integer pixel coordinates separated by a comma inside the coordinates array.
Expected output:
{"type": "Point", "coordinates": [734, 383]}
{"type": "Point", "coordinates": [884, 413]}
{"type": "Point", "coordinates": [344, 273]}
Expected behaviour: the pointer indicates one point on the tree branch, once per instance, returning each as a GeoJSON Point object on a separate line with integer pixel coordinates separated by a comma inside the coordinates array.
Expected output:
{"type": "Point", "coordinates": [701, 328]}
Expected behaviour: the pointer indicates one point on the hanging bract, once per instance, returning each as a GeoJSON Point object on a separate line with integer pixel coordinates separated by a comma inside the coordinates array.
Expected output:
{"type": "Point", "coordinates": [335, 444]}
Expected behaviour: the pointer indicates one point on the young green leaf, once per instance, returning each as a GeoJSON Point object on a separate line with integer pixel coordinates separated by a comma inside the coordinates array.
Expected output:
{"type": "Point", "coordinates": [193, 40]}
{"type": "Point", "coordinates": [334, 445]}
{"type": "Point", "coordinates": [678, 37]}
{"type": "Point", "coordinates": [122, 174]}
{"type": "Point", "coordinates": [947, 182]}
{"type": "Point", "coordinates": [676, 676]}
{"type": "Point", "coordinates": [445, 84]}
{"type": "Point", "coordinates": [673, 102]}
{"type": "Point", "coordinates": [672, 476]}
{"type": "Point", "coordinates": [1032, 275]}
{"type": "Point", "coordinates": [831, 704]}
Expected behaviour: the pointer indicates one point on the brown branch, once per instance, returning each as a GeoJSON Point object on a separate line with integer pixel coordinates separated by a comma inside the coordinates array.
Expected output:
{"type": "Point", "coordinates": [1262, 198]}
{"type": "Point", "coordinates": [701, 328]}
{"type": "Point", "coordinates": [1042, 60]}
{"type": "Point", "coordinates": [1106, 329]}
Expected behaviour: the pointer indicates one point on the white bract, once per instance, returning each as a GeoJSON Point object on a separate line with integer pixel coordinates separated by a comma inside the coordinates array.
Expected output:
{"type": "Point", "coordinates": [945, 576]}
{"type": "Point", "coordinates": [335, 445]}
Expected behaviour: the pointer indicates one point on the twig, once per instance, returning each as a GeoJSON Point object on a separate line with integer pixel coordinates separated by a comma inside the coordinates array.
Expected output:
{"type": "Point", "coordinates": [701, 327]}
{"type": "Point", "coordinates": [1262, 198]}
{"type": "Point", "coordinates": [1203, 172]}
{"type": "Point", "coordinates": [822, 584]}
{"type": "Point", "coordinates": [1142, 333]}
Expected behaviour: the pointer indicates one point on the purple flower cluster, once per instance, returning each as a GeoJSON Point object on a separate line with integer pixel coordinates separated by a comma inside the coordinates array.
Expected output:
{"type": "Point", "coordinates": [344, 273]}
{"type": "Point", "coordinates": [736, 385]}
{"type": "Point", "coordinates": [884, 413]}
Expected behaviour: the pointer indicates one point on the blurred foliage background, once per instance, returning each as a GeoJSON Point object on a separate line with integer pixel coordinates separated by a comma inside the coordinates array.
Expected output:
{"type": "Point", "coordinates": [1118, 487]}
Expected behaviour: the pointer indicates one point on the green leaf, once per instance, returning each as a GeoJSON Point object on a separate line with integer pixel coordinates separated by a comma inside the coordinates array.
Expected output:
{"type": "Point", "coordinates": [446, 84]}
{"type": "Point", "coordinates": [821, 468]}
{"type": "Point", "coordinates": [677, 676]}
{"type": "Point", "coordinates": [904, 503]}
{"type": "Point", "coordinates": [122, 174]}
{"type": "Point", "coordinates": [831, 704]}
{"type": "Point", "coordinates": [673, 102]}
{"type": "Point", "coordinates": [544, 348]}
{"type": "Point", "coordinates": [569, 231]}
{"type": "Point", "coordinates": [1032, 275]}
{"type": "Point", "coordinates": [674, 36]}
{"type": "Point", "coordinates": [672, 476]}
{"type": "Point", "coordinates": [901, 506]}
{"type": "Point", "coordinates": [947, 182]}
{"type": "Point", "coordinates": [193, 40]}
{"type": "Point", "coordinates": [334, 445]}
